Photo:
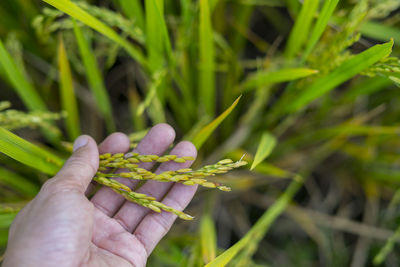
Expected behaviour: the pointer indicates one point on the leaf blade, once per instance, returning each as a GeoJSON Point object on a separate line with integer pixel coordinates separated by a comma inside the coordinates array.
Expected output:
{"type": "Point", "coordinates": [301, 28]}
{"type": "Point", "coordinates": [208, 238]}
{"type": "Point", "coordinates": [264, 78]}
{"type": "Point", "coordinates": [206, 52]}
{"type": "Point", "coordinates": [199, 139]}
{"type": "Point", "coordinates": [68, 99]}
{"type": "Point", "coordinates": [94, 78]}
{"type": "Point", "coordinates": [320, 25]}
{"type": "Point", "coordinates": [76, 12]}
{"type": "Point", "coordinates": [24, 88]}
{"type": "Point", "coordinates": [345, 71]}
{"type": "Point", "coordinates": [28, 154]}
{"type": "Point", "coordinates": [265, 147]}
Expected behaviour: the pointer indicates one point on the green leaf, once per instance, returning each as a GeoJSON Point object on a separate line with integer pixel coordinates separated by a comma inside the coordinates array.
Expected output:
{"type": "Point", "coordinates": [157, 38]}
{"type": "Point", "coordinates": [208, 238]}
{"type": "Point", "coordinates": [133, 10]}
{"type": "Point", "coordinates": [380, 31]}
{"type": "Point", "coordinates": [387, 248]}
{"type": "Point", "coordinates": [207, 65]}
{"type": "Point", "coordinates": [18, 183]}
{"type": "Point", "coordinates": [24, 89]}
{"type": "Point", "coordinates": [6, 220]}
{"type": "Point", "coordinates": [260, 227]}
{"type": "Point", "coordinates": [301, 28]}
{"type": "Point", "coordinates": [78, 13]}
{"type": "Point", "coordinates": [28, 154]}
{"type": "Point", "coordinates": [199, 139]}
{"type": "Point", "coordinates": [68, 99]}
{"type": "Point", "coordinates": [94, 78]}
{"type": "Point", "coordinates": [22, 86]}
{"type": "Point", "coordinates": [157, 42]}
{"type": "Point", "coordinates": [267, 144]}
{"type": "Point", "coordinates": [264, 78]}
{"type": "Point", "coordinates": [320, 25]}
{"type": "Point", "coordinates": [344, 72]}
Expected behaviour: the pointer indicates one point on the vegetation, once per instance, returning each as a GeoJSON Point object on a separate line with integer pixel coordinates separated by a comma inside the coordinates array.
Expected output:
{"type": "Point", "coordinates": [306, 90]}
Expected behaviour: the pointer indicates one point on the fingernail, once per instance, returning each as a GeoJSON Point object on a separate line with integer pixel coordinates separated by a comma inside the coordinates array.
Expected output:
{"type": "Point", "coordinates": [81, 141]}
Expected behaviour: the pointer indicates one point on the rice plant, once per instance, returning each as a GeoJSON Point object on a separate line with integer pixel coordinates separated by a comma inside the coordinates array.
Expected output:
{"type": "Point", "coordinates": [305, 91]}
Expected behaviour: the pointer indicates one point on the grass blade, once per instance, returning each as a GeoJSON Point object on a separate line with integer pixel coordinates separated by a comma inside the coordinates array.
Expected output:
{"type": "Point", "coordinates": [301, 28]}
{"type": "Point", "coordinates": [264, 78]}
{"type": "Point", "coordinates": [157, 38]}
{"type": "Point", "coordinates": [94, 78]}
{"type": "Point", "coordinates": [387, 248]}
{"type": "Point", "coordinates": [208, 238]}
{"type": "Point", "coordinates": [206, 52]}
{"type": "Point", "coordinates": [24, 88]}
{"type": "Point", "coordinates": [379, 31]}
{"type": "Point", "coordinates": [28, 154]}
{"type": "Point", "coordinates": [199, 139]}
{"type": "Point", "coordinates": [68, 99]}
{"type": "Point", "coordinates": [133, 10]}
{"type": "Point", "coordinates": [76, 12]}
{"type": "Point", "coordinates": [267, 144]}
{"type": "Point", "coordinates": [260, 228]}
{"type": "Point", "coordinates": [18, 183]}
{"type": "Point", "coordinates": [344, 72]}
{"type": "Point", "coordinates": [320, 25]}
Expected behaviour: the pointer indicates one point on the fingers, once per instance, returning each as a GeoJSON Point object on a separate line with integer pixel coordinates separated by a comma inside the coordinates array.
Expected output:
{"type": "Point", "coordinates": [130, 213]}
{"type": "Point", "coordinates": [157, 140]}
{"type": "Point", "coordinates": [80, 168]}
{"type": "Point", "coordinates": [115, 143]}
{"type": "Point", "coordinates": [155, 225]}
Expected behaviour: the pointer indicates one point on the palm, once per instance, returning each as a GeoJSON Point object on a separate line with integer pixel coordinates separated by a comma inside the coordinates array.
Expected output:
{"type": "Point", "coordinates": [109, 240]}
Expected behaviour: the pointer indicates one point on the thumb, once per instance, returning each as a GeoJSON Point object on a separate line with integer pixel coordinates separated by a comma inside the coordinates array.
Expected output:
{"type": "Point", "coordinates": [80, 168]}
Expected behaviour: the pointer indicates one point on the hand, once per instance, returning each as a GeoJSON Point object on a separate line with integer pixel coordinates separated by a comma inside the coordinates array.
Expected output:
{"type": "Point", "coordinates": [62, 227]}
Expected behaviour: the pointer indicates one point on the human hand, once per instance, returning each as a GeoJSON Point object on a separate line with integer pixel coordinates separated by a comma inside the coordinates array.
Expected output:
{"type": "Point", "coordinates": [62, 227]}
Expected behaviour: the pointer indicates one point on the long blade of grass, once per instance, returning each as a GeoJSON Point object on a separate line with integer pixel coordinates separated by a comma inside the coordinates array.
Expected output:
{"type": "Point", "coordinates": [68, 99]}
{"type": "Point", "coordinates": [387, 248]}
{"type": "Point", "coordinates": [366, 87]}
{"type": "Point", "coordinates": [18, 183]}
{"type": "Point", "coordinates": [207, 65]}
{"type": "Point", "coordinates": [28, 154]}
{"type": "Point", "coordinates": [260, 228]}
{"type": "Point", "coordinates": [78, 13]}
{"type": "Point", "coordinates": [157, 38]}
{"type": "Point", "coordinates": [94, 77]}
{"type": "Point", "coordinates": [301, 28]}
{"type": "Point", "coordinates": [24, 88]}
{"type": "Point", "coordinates": [157, 41]}
{"type": "Point", "coordinates": [208, 238]}
{"type": "Point", "coordinates": [323, 19]}
{"type": "Point", "coordinates": [133, 10]}
{"type": "Point", "coordinates": [202, 136]}
{"type": "Point", "coordinates": [264, 78]}
{"type": "Point", "coordinates": [380, 31]}
{"type": "Point", "coordinates": [265, 147]}
{"type": "Point", "coordinates": [344, 72]}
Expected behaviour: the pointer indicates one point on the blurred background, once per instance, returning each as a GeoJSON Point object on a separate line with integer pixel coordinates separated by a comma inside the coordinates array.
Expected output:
{"type": "Point", "coordinates": [318, 116]}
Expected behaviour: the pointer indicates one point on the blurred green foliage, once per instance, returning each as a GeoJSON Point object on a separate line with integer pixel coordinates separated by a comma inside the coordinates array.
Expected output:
{"type": "Point", "coordinates": [319, 110]}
